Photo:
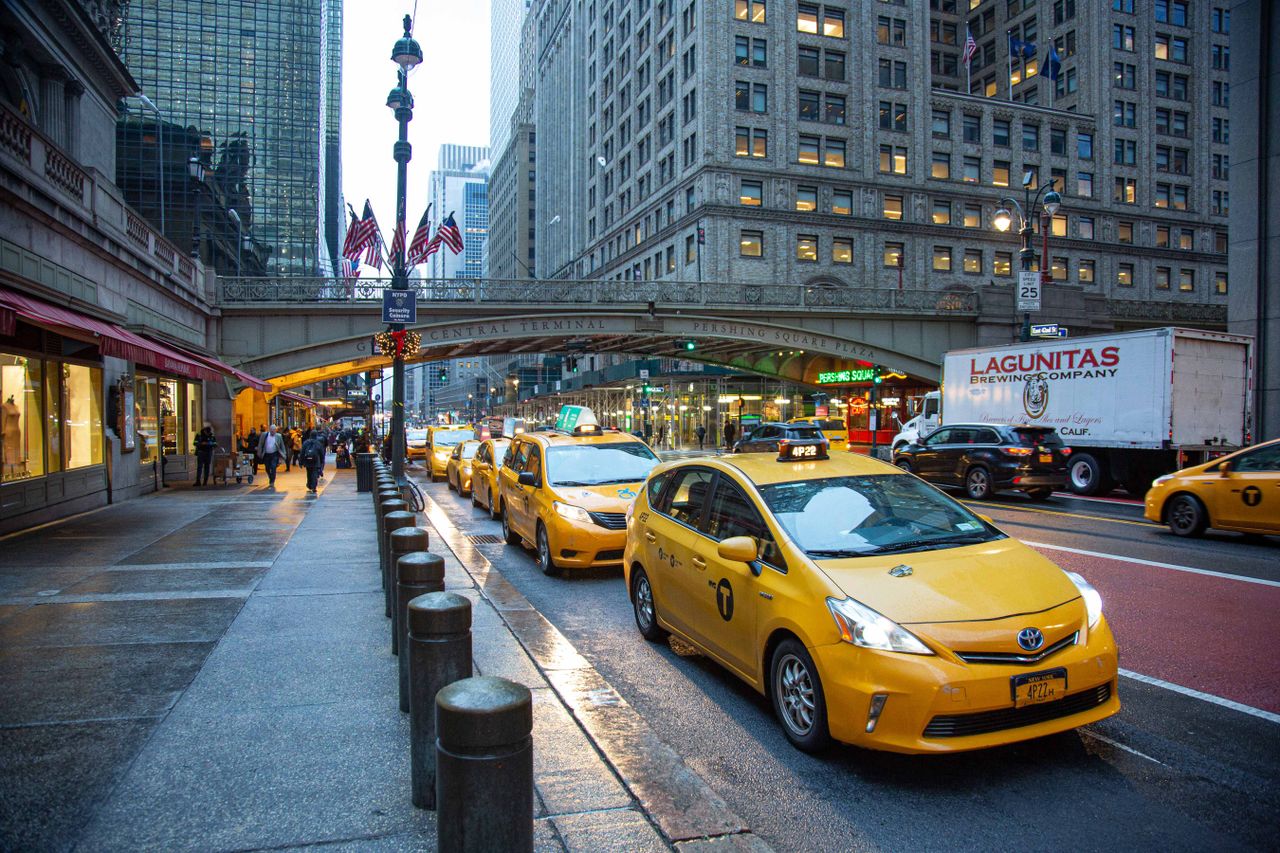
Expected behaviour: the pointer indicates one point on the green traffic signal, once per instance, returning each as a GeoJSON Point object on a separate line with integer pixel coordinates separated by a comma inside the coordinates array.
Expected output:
{"type": "Point", "coordinates": [690, 345]}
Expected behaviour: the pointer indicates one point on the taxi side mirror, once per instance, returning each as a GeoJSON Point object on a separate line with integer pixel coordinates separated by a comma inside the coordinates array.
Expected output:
{"type": "Point", "coordinates": [740, 549]}
{"type": "Point", "coordinates": [527, 478]}
{"type": "Point", "coordinates": [1224, 467]}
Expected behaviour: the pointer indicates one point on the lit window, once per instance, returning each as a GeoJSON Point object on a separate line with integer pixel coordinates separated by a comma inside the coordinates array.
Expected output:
{"type": "Point", "coordinates": [973, 261]}
{"type": "Point", "coordinates": [842, 202]}
{"type": "Point", "coordinates": [1003, 264]}
{"type": "Point", "coordinates": [806, 247]}
{"type": "Point", "coordinates": [1124, 275]}
{"type": "Point", "coordinates": [893, 207]}
{"type": "Point", "coordinates": [941, 212]}
{"type": "Point", "coordinates": [892, 255]}
{"type": "Point", "coordinates": [807, 198]}
{"type": "Point", "coordinates": [1085, 271]}
{"type": "Point", "coordinates": [942, 258]}
{"type": "Point", "coordinates": [751, 244]}
{"type": "Point", "coordinates": [841, 250]}
{"type": "Point", "coordinates": [941, 167]}
{"type": "Point", "coordinates": [751, 194]}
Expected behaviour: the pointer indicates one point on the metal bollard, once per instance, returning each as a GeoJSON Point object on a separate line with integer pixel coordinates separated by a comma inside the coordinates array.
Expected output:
{"type": "Point", "coordinates": [381, 494]}
{"type": "Point", "coordinates": [417, 573]}
{"type": "Point", "coordinates": [394, 519]}
{"type": "Point", "coordinates": [388, 504]}
{"type": "Point", "coordinates": [400, 542]}
{"type": "Point", "coordinates": [438, 649]}
{"type": "Point", "coordinates": [484, 766]}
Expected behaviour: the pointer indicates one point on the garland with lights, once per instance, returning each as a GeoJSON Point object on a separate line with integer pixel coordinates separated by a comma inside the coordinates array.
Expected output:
{"type": "Point", "coordinates": [401, 344]}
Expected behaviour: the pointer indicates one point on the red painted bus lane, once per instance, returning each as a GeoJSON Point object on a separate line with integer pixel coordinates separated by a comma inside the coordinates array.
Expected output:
{"type": "Point", "coordinates": [1212, 634]}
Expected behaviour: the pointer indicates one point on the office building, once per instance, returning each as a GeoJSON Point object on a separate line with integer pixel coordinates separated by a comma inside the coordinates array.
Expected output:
{"type": "Point", "coordinates": [260, 81]}
{"type": "Point", "coordinates": [460, 185]}
{"type": "Point", "coordinates": [511, 251]}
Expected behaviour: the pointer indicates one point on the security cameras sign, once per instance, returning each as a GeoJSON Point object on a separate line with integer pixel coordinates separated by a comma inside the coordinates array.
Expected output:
{"type": "Point", "coordinates": [400, 306]}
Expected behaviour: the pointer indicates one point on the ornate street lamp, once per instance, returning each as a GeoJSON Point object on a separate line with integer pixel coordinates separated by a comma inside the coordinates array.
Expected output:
{"type": "Point", "coordinates": [406, 54]}
{"type": "Point", "coordinates": [1045, 209]}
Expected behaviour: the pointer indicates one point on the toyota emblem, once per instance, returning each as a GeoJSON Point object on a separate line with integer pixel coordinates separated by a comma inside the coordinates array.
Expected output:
{"type": "Point", "coordinates": [1030, 639]}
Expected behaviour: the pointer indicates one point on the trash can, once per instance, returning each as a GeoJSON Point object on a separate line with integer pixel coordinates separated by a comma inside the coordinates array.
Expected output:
{"type": "Point", "coordinates": [364, 472]}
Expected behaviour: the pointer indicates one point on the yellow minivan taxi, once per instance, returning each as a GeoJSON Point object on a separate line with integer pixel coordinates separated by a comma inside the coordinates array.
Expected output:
{"type": "Point", "coordinates": [832, 428]}
{"type": "Point", "coordinates": [458, 469]}
{"type": "Point", "coordinates": [440, 443]}
{"type": "Point", "coordinates": [1240, 491]}
{"type": "Point", "coordinates": [870, 607]}
{"type": "Point", "coordinates": [566, 494]}
{"type": "Point", "coordinates": [484, 473]}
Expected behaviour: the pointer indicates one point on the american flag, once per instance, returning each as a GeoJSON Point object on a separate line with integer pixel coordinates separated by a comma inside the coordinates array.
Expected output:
{"type": "Point", "coordinates": [450, 235]}
{"type": "Point", "coordinates": [970, 48]}
{"type": "Point", "coordinates": [350, 269]}
{"type": "Point", "coordinates": [418, 247]}
{"type": "Point", "coordinates": [373, 243]}
{"type": "Point", "coordinates": [351, 245]}
{"type": "Point", "coordinates": [397, 241]}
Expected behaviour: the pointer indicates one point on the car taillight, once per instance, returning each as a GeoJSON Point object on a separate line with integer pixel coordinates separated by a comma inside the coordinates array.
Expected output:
{"type": "Point", "coordinates": [1065, 451]}
{"type": "Point", "coordinates": [1018, 451]}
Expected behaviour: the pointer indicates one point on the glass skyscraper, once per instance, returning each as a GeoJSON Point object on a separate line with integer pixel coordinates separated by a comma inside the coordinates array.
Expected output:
{"type": "Point", "coordinates": [260, 82]}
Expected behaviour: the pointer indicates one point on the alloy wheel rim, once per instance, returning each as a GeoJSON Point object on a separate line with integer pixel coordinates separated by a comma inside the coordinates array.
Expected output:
{"type": "Point", "coordinates": [977, 482]}
{"type": "Point", "coordinates": [644, 603]}
{"type": "Point", "coordinates": [544, 549]}
{"type": "Point", "coordinates": [1081, 475]}
{"type": "Point", "coordinates": [1182, 515]}
{"type": "Point", "coordinates": [796, 695]}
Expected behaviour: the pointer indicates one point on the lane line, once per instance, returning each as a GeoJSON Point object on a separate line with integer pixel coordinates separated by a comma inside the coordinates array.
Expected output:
{"type": "Point", "coordinates": [1118, 501]}
{"type": "Point", "coordinates": [1152, 563]}
{"type": "Point", "coordinates": [1013, 508]}
{"type": "Point", "coordinates": [1118, 745]}
{"type": "Point", "coordinates": [1204, 697]}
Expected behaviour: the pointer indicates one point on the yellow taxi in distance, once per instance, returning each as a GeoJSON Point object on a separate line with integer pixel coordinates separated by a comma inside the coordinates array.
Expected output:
{"type": "Point", "coordinates": [566, 492]}
{"type": "Point", "coordinates": [1240, 491]}
{"type": "Point", "coordinates": [484, 473]}
{"type": "Point", "coordinates": [440, 443]}
{"type": "Point", "coordinates": [458, 469]}
{"type": "Point", "coordinates": [870, 607]}
{"type": "Point", "coordinates": [832, 428]}
{"type": "Point", "coordinates": [415, 444]}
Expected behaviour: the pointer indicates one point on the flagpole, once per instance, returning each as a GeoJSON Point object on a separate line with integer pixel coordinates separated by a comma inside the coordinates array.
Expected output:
{"type": "Point", "coordinates": [1009, 44]}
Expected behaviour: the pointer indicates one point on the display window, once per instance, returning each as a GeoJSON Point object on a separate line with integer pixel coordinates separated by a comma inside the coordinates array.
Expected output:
{"type": "Point", "coordinates": [146, 417]}
{"type": "Point", "coordinates": [53, 417]}
{"type": "Point", "coordinates": [82, 435]}
{"type": "Point", "coordinates": [169, 410]}
{"type": "Point", "coordinates": [22, 451]}
{"type": "Point", "coordinates": [195, 416]}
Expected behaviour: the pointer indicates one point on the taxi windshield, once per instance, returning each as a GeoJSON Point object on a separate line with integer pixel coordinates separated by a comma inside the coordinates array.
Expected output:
{"type": "Point", "coordinates": [861, 516]}
{"type": "Point", "coordinates": [469, 449]}
{"type": "Point", "coordinates": [450, 437]}
{"type": "Point", "coordinates": [599, 464]}
{"type": "Point", "coordinates": [416, 435]}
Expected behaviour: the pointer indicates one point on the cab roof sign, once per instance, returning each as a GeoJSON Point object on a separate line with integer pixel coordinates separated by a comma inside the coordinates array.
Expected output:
{"type": "Point", "coordinates": [577, 420]}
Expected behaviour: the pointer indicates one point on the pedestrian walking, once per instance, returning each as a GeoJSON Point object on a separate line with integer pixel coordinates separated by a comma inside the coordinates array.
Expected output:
{"type": "Point", "coordinates": [662, 435]}
{"type": "Point", "coordinates": [701, 432]}
{"type": "Point", "coordinates": [311, 456]}
{"type": "Point", "coordinates": [206, 443]}
{"type": "Point", "coordinates": [251, 447]}
{"type": "Point", "coordinates": [729, 432]}
{"type": "Point", "coordinates": [270, 446]}
{"type": "Point", "coordinates": [286, 451]}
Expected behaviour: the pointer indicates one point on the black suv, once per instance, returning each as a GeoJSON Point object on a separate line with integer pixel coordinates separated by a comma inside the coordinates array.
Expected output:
{"type": "Point", "coordinates": [765, 437]}
{"type": "Point", "coordinates": [986, 457]}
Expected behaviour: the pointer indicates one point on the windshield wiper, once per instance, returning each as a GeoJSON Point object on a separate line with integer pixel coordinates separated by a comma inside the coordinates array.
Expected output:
{"type": "Point", "coordinates": [899, 547]}
{"type": "Point", "coordinates": [837, 552]}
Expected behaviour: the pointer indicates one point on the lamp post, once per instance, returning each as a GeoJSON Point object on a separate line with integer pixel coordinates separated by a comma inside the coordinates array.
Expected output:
{"type": "Point", "coordinates": [406, 54]}
{"type": "Point", "coordinates": [1045, 209]}
{"type": "Point", "coordinates": [196, 170]}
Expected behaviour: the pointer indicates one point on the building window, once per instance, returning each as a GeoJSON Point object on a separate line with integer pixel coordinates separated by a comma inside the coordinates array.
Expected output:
{"type": "Point", "coordinates": [1126, 152]}
{"type": "Point", "coordinates": [1186, 280]}
{"type": "Point", "coordinates": [892, 255]}
{"type": "Point", "coordinates": [973, 261]}
{"type": "Point", "coordinates": [1220, 283]}
{"type": "Point", "coordinates": [751, 142]}
{"type": "Point", "coordinates": [893, 74]}
{"type": "Point", "coordinates": [751, 97]}
{"type": "Point", "coordinates": [942, 259]}
{"type": "Point", "coordinates": [1126, 191]}
{"type": "Point", "coordinates": [893, 116]}
{"type": "Point", "coordinates": [1057, 141]}
{"type": "Point", "coordinates": [1030, 137]}
{"type": "Point", "coordinates": [750, 52]}
{"type": "Point", "coordinates": [1124, 232]}
{"type": "Point", "coordinates": [833, 153]}
{"type": "Point", "coordinates": [1162, 278]}
{"type": "Point", "coordinates": [749, 10]}
{"type": "Point", "coordinates": [1000, 132]}
{"type": "Point", "coordinates": [751, 244]}
{"type": "Point", "coordinates": [1084, 227]}
{"type": "Point", "coordinates": [972, 170]}
{"type": "Point", "coordinates": [806, 198]}
{"type": "Point", "coordinates": [1085, 271]}
{"type": "Point", "coordinates": [1002, 264]}
{"type": "Point", "coordinates": [1186, 239]}
{"type": "Point", "coordinates": [941, 166]}
{"type": "Point", "coordinates": [842, 202]}
{"type": "Point", "coordinates": [806, 247]}
{"type": "Point", "coordinates": [893, 159]}
{"type": "Point", "coordinates": [1220, 242]}
{"type": "Point", "coordinates": [808, 15]}
{"type": "Point", "coordinates": [891, 31]}
{"type": "Point", "coordinates": [972, 128]}
{"type": "Point", "coordinates": [1084, 184]}
{"type": "Point", "coordinates": [1058, 225]}
{"type": "Point", "coordinates": [1000, 173]}
{"type": "Point", "coordinates": [1124, 275]}
{"type": "Point", "coordinates": [1058, 268]}
{"type": "Point", "coordinates": [809, 150]}
{"type": "Point", "coordinates": [941, 124]}
{"type": "Point", "coordinates": [751, 194]}
{"type": "Point", "coordinates": [941, 212]}
{"type": "Point", "coordinates": [1122, 37]}
{"type": "Point", "coordinates": [1125, 75]}
{"type": "Point", "coordinates": [842, 250]}
{"type": "Point", "coordinates": [1124, 114]}
{"type": "Point", "coordinates": [1084, 146]}
{"type": "Point", "coordinates": [972, 215]}
{"type": "Point", "coordinates": [1221, 203]}
{"type": "Point", "coordinates": [893, 207]}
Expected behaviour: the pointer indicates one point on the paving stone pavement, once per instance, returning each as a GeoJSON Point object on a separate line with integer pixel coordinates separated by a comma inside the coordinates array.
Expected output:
{"type": "Point", "coordinates": [209, 669]}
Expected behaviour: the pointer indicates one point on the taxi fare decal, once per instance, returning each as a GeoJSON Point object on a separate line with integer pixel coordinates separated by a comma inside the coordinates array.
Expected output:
{"type": "Point", "coordinates": [669, 558]}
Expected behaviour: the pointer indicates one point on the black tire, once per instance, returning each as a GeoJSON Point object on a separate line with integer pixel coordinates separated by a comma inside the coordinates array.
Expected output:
{"type": "Point", "coordinates": [1040, 494]}
{"type": "Point", "coordinates": [509, 535]}
{"type": "Point", "coordinates": [1086, 475]}
{"type": "Point", "coordinates": [1186, 516]}
{"type": "Point", "coordinates": [798, 700]}
{"type": "Point", "coordinates": [642, 607]}
{"type": "Point", "coordinates": [977, 484]}
{"type": "Point", "coordinates": [475, 503]}
{"type": "Point", "coordinates": [546, 561]}
{"type": "Point", "coordinates": [905, 465]}
{"type": "Point", "coordinates": [493, 507]}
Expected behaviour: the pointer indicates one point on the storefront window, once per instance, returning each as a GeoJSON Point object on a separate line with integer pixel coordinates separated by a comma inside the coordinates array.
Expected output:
{"type": "Point", "coordinates": [82, 403]}
{"type": "Point", "coordinates": [146, 418]}
{"type": "Point", "coordinates": [53, 417]}
{"type": "Point", "coordinates": [21, 427]}
{"type": "Point", "coordinates": [169, 426]}
{"type": "Point", "coordinates": [195, 416]}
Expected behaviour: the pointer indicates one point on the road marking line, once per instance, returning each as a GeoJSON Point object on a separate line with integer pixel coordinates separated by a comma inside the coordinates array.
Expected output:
{"type": "Point", "coordinates": [1153, 563]}
{"type": "Point", "coordinates": [1067, 514]}
{"type": "Point", "coordinates": [1205, 697]}
{"type": "Point", "coordinates": [1119, 501]}
{"type": "Point", "coordinates": [1118, 745]}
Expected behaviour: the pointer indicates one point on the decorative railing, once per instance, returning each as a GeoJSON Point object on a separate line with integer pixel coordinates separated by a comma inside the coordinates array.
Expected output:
{"type": "Point", "coordinates": [136, 229]}
{"type": "Point", "coordinates": [248, 291]}
{"type": "Point", "coordinates": [59, 169]}
{"type": "Point", "coordinates": [15, 135]}
{"type": "Point", "coordinates": [1167, 312]}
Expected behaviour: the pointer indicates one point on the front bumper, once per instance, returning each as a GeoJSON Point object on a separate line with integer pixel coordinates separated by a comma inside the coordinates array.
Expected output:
{"type": "Point", "coordinates": [415, 452]}
{"type": "Point", "coordinates": [579, 545]}
{"type": "Point", "coordinates": [1153, 507]}
{"type": "Point", "coordinates": [957, 697]}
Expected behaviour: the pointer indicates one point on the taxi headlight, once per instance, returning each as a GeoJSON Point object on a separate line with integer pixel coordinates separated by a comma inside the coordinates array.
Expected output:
{"type": "Point", "coordinates": [573, 513]}
{"type": "Point", "coordinates": [1163, 478]}
{"type": "Point", "coordinates": [1092, 599]}
{"type": "Point", "coordinates": [442, 455]}
{"type": "Point", "coordinates": [862, 626]}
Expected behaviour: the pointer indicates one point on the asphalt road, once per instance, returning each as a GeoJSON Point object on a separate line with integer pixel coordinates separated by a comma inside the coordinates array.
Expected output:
{"type": "Point", "coordinates": [1170, 772]}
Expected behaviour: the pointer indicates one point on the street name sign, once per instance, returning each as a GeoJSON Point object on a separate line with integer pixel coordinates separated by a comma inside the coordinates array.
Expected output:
{"type": "Point", "coordinates": [1028, 290]}
{"type": "Point", "coordinates": [1048, 330]}
{"type": "Point", "coordinates": [400, 306]}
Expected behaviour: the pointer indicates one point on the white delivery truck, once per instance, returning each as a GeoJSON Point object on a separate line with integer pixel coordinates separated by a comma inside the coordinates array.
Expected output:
{"type": "Point", "coordinates": [1131, 405]}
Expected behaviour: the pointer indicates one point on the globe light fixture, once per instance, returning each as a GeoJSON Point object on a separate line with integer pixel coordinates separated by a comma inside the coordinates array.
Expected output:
{"type": "Point", "coordinates": [1003, 219]}
{"type": "Point", "coordinates": [407, 53]}
{"type": "Point", "coordinates": [1052, 201]}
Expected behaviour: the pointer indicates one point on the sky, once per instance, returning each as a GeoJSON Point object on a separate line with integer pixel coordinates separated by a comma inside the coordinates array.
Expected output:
{"type": "Point", "coordinates": [450, 91]}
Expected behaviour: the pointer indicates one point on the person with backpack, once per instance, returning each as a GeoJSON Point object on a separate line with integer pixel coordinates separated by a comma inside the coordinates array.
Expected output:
{"type": "Point", "coordinates": [206, 444]}
{"type": "Point", "coordinates": [311, 458]}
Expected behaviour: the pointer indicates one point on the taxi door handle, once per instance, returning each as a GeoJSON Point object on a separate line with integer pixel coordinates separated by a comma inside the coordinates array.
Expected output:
{"type": "Point", "coordinates": [699, 563]}
{"type": "Point", "coordinates": [649, 537]}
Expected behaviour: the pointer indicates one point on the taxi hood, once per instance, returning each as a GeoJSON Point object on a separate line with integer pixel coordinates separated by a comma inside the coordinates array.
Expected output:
{"type": "Point", "coordinates": [614, 497]}
{"type": "Point", "coordinates": [990, 580]}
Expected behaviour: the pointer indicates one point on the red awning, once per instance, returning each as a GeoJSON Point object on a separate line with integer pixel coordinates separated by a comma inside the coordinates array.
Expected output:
{"type": "Point", "coordinates": [111, 339]}
{"type": "Point", "coordinates": [8, 321]}
{"type": "Point", "coordinates": [297, 398]}
{"type": "Point", "coordinates": [234, 372]}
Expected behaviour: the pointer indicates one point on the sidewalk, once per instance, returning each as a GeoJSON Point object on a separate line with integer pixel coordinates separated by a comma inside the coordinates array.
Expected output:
{"type": "Point", "coordinates": [210, 669]}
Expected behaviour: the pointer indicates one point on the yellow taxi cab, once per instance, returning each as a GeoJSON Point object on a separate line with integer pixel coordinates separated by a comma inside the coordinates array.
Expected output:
{"type": "Point", "coordinates": [458, 469]}
{"type": "Point", "coordinates": [1240, 491]}
{"type": "Point", "coordinates": [833, 428]}
{"type": "Point", "coordinates": [415, 444]}
{"type": "Point", "coordinates": [484, 473]}
{"type": "Point", "coordinates": [440, 443]}
{"type": "Point", "coordinates": [870, 607]}
{"type": "Point", "coordinates": [566, 491]}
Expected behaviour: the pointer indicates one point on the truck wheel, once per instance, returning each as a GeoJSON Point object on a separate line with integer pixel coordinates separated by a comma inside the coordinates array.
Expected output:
{"type": "Point", "coordinates": [1086, 475]}
{"type": "Point", "coordinates": [977, 483]}
{"type": "Point", "coordinates": [1186, 516]}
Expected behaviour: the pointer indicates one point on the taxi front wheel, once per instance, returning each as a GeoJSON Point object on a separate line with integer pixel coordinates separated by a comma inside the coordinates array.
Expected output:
{"type": "Point", "coordinates": [1187, 516]}
{"type": "Point", "coordinates": [798, 700]}
{"type": "Point", "coordinates": [642, 606]}
{"type": "Point", "coordinates": [545, 562]}
{"type": "Point", "coordinates": [511, 537]}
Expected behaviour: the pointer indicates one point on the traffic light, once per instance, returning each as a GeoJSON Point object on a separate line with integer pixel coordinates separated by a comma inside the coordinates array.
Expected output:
{"type": "Point", "coordinates": [444, 374]}
{"type": "Point", "coordinates": [877, 379]}
{"type": "Point", "coordinates": [687, 346]}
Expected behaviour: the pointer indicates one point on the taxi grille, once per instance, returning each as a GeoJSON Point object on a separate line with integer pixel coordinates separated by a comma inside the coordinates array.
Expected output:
{"type": "Point", "coordinates": [610, 520]}
{"type": "Point", "coordinates": [984, 722]}
{"type": "Point", "coordinates": [1023, 659]}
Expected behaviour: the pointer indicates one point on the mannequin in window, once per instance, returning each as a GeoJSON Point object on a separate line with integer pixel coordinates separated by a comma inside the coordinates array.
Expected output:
{"type": "Point", "coordinates": [11, 431]}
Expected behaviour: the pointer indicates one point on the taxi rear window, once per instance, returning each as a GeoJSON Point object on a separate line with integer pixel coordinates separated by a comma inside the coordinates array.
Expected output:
{"type": "Point", "coordinates": [831, 424]}
{"type": "Point", "coordinates": [804, 432]}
